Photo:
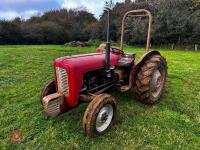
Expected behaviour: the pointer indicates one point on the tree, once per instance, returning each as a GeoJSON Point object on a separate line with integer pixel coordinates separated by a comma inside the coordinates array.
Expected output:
{"type": "Point", "coordinates": [174, 21]}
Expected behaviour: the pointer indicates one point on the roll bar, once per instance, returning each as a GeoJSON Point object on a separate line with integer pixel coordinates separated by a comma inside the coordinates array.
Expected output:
{"type": "Point", "coordinates": [137, 13]}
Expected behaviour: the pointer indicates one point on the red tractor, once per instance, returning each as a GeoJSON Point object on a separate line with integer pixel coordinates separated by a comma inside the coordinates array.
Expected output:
{"type": "Point", "coordinates": [85, 78]}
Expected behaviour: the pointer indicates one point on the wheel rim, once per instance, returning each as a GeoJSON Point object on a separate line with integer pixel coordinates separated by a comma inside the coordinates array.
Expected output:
{"type": "Point", "coordinates": [104, 118]}
{"type": "Point", "coordinates": [157, 83]}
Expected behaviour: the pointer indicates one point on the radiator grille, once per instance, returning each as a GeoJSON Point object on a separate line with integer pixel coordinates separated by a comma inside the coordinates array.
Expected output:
{"type": "Point", "coordinates": [62, 81]}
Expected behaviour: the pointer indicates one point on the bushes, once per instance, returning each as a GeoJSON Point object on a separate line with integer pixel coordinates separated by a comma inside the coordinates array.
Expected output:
{"type": "Point", "coordinates": [90, 43]}
{"type": "Point", "coordinates": [175, 21]}
{"type": "Point", "coordinates": [54, 27]}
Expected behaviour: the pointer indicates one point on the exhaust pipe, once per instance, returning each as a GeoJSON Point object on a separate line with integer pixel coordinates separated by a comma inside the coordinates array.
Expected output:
{"type": "Point", "coordinates": [108, 70]}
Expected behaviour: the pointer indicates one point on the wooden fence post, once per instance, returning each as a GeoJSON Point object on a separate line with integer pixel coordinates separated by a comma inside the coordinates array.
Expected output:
{"type": "Point", "coordinates": [196, 47]}
{"type": "Point", "coordinates": [172, 47]}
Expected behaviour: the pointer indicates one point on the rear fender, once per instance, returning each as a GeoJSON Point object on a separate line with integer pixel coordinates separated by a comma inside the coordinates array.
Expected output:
{"type": "Point", "coordinates": [133, 74]}
{"type": "Point", "coordinates": [139, 63]}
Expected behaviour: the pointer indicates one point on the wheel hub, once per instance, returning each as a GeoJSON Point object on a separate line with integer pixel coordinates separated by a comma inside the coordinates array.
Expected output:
{"type": "Point", "coordinates": [104, 118]}
{"type": "Point", "coordinates": [157, 82]}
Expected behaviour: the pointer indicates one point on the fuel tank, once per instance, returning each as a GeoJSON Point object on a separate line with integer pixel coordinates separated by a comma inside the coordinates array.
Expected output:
{"type": "Point", "coordinates": [72, 71]}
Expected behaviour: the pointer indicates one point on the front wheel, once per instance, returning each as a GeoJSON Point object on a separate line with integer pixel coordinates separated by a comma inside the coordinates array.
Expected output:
{"type": "Point", "coordinates": [99, 115]}
{"type": "Point", "coordinates": [151, 79]}
{"type": "Point", "coordinates": [48, 88]}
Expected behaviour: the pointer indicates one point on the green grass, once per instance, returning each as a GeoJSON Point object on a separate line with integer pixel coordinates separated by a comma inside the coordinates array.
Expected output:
{"type": "Point", "coordinates": [174, 123]}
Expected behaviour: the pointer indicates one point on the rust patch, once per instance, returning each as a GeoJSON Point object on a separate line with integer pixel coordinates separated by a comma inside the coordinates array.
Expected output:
{"type": "Point", "coordinates": [16, 136]}
{"type": "Point", "coordinates": [51, 104]}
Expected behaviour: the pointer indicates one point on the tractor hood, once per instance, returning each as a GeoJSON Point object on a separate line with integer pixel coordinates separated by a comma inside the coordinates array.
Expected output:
{"type": "Point", "coordinates": [76, 67]}
{"type": "Point", "coordinates": [85, 62]}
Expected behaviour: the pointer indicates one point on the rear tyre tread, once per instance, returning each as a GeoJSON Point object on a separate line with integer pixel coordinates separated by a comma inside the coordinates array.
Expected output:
{"type": "Point", "coordinates": [144, 77]}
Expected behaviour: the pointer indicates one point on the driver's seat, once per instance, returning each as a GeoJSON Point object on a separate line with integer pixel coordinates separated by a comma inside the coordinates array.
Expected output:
{"type": "Point", "coordinates": [126, 60]}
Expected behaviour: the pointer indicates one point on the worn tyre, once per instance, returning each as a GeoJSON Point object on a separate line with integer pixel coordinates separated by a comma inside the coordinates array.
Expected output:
{"type": "Point", "coordinates": [99, 115]}
{"type": "Point", "coordinates": [49, 88]}
{"type": "Point", "coordinates": [151, 79]}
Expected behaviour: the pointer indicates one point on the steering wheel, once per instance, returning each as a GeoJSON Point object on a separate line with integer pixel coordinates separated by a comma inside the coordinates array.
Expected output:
{"type": "Point", "coordinates": [117, 51]}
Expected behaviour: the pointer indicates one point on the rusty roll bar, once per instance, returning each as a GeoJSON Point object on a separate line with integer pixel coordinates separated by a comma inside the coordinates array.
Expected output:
{"type": "Point", "coordinates": [137, 13]}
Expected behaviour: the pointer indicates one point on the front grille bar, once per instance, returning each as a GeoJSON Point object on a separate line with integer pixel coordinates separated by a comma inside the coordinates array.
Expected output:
{"type": "Point", "coordinates": [62, 81]}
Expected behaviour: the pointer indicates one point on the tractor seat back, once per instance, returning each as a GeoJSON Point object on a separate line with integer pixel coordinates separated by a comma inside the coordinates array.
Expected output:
{"type": "Point", "coordinates": [126, 60]}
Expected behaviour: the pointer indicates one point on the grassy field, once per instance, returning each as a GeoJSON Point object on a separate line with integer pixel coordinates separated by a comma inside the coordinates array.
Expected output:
{"type": "Point", "coordinates": [174, 123]}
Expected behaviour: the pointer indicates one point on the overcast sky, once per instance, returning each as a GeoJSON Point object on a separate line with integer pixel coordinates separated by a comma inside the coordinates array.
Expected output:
{"type": "Point", "coordinates": [9, 9]}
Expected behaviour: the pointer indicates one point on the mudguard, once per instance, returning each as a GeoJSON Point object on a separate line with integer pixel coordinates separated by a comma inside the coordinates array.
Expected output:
{"type": "Point", "coordinates": [140, 62]}
{"type": "Point", "coordinates": [135, 69]}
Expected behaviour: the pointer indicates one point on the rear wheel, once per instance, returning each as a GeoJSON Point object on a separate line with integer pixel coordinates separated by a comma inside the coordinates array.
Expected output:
{"type": "Point", "coordinates": [99, 115]}
{"type": "Point", "coordinates": [49, 88]}
{"type": "Point", "coordinates": [151, 79]}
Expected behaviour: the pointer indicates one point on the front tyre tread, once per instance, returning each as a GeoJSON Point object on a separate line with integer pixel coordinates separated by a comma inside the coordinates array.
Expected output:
{"type": "Point", "coordinates": [90, 115]}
